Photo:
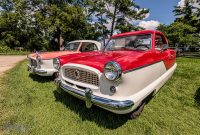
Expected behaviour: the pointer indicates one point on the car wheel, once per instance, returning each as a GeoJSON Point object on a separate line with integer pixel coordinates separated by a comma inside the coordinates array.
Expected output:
{"type": "Point", "coordinates": [55, 75]}
{"type": "Point", "coordinates": [136, 113]}
{"type": "Point", "coordinates": [140, 108]}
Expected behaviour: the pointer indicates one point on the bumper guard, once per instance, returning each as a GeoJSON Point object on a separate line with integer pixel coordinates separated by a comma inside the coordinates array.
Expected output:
{"type": "Point", "coordinates": [34, 70]}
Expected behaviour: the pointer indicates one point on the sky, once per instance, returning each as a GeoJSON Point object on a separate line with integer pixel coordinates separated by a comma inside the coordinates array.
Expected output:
{"type": "Point", "coordinates": [160, 12]}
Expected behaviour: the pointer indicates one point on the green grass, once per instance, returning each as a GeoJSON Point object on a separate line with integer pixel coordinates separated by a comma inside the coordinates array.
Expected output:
{"type": "Point", "coordinates": [31, 105]}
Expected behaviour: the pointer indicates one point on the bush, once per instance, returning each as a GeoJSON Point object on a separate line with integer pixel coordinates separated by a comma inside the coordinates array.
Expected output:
{"type": "Point", "coordinates": [4, 49]}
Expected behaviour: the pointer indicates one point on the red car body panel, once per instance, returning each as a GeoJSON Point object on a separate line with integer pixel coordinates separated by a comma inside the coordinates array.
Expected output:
{"type": "Point", "coordinates": [51, 55]}
{"type": "Point", "coordinates": [127, 59]}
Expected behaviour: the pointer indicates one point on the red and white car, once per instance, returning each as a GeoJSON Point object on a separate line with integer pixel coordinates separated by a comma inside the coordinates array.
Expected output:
{"type": "Point", "coordinates": [42, 63]}
{"type": "Point", "coordinates": [132, 67]}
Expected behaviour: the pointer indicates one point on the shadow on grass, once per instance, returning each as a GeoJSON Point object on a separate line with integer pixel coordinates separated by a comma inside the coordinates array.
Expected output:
{"type": "Point", "coordinates": [41, 79]}
{"type": "Point", "coordinates": [101, 117]}
{"type": "Point", "coordinates": [193, 57]}
{"type": "Point", "coordinates": [197, 97]}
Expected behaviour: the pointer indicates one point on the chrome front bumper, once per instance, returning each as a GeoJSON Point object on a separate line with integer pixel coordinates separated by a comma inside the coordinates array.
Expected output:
{"type": "Point", "coordinates": [90, 98]}
{"type": "Point", "coordinates": [35, 70]}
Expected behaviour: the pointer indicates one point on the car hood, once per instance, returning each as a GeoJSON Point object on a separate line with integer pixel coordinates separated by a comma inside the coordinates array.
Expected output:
{"type": "Point", "coordinates": [126, 59]}
{"type": "Point", "coordinates": [51, 55]}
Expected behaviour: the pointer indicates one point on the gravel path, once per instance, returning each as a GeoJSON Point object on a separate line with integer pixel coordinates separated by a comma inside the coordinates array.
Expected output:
{"type": "Point", "coordinates": [7, 62]}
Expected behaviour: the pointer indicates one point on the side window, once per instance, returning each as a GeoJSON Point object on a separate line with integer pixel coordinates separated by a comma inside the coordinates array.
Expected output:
{"type": "Point", "coordinates": [72, 46]}
{"type": "Point", "coordinates": [160, 41]}
{"type": "Point", "coordinates": [87, 47]}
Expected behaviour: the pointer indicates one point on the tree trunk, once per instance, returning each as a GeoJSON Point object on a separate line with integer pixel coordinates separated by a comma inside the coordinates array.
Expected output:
{"type": "Point", "coordinates": [113, 21]}
{"type": "Point", "coordinates": [59, 38]}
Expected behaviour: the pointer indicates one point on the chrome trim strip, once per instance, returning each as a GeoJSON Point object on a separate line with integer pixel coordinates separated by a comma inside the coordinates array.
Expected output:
{"type": "Point", "coordinates": [127, 71]}
{"type": "Point", "coordinates": [99, 101]}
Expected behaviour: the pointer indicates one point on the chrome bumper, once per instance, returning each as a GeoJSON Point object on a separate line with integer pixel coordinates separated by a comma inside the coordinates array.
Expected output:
{"type": "Point", "coordinates": [90, 99]}
{"type": "Point", "coordinates": [35, 70]}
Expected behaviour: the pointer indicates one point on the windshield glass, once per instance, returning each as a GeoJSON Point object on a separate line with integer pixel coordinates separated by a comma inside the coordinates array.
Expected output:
{"type": "Point", "coordinates": [72, 46]}
{"type": "Point", "coordinates": [135, 42]}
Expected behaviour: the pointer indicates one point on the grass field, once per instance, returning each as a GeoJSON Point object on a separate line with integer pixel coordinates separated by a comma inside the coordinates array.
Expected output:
{"type": "Point", "coordinates": [30, 104]}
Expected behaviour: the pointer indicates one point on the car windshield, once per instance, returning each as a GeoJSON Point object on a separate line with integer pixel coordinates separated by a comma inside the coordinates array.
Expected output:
{"type": "Point", "coordinates": [134, 42]}
{"type": "Point", "coordinates": [72, 46]}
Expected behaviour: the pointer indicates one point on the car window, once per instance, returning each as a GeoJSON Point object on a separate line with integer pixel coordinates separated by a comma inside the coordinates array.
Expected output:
{"type": "Point", "coordinates": [160, 41]}
{"type": "Point", "coordinates": [138, 42]}
{"type": "Point", "coordinates": [72, 46]}
{"type": "Point", "coordinates": [87, 47]}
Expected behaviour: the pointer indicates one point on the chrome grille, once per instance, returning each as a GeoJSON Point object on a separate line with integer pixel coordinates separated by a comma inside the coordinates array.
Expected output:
{"type": "Point", "coordinates": [81, 75]}
{"type": "Point", "coordinates": [33, 62]}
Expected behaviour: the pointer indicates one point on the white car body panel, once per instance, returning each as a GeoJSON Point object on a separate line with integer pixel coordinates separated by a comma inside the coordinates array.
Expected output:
{"type": "Point", "coordinates": [135, 85]}
{"type": "Point", "coordinates": [45, 68]}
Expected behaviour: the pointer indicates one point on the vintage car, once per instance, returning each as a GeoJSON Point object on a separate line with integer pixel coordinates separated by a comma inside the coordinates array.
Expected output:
{"type": "Point", "coordinates": [122, 77]}
{"type": "Point", "coordinates": [42, 63]}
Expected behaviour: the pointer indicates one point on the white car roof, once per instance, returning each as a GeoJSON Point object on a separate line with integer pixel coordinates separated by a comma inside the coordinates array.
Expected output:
{"type": "Point", "coordinates": [99, 45]}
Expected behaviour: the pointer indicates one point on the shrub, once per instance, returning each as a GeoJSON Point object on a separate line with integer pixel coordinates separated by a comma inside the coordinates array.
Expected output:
{"type": "Point", "coordinates": [4, 49]}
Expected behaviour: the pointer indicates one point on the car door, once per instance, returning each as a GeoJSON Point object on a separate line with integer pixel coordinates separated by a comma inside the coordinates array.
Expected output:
{"type": "Point", "coordinates": [165, 55]}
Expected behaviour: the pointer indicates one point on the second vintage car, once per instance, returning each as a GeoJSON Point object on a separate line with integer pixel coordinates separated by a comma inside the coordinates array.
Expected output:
{"type": "Point", "coordinates": [132, 68]}
{"type": "Point", "coordinates": [42, 63]}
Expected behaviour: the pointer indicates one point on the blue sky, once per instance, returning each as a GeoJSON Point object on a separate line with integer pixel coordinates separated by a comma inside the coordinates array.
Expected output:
{"type": "Point", "coordinates": [160, 10]}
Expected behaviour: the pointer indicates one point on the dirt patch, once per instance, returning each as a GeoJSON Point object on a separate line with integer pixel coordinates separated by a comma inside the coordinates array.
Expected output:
{"type": "Point", "coordinates": [7, 62]}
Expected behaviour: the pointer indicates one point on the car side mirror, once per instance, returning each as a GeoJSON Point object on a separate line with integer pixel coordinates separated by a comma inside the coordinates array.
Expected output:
{"type": "Point", "coordinates": [164, 47]}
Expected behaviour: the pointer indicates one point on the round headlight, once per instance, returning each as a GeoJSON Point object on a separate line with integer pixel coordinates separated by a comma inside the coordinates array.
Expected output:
{"type": "Point", "coordinates": [56, 63]}
{"type": "Point", "coordinates": [112, 71]}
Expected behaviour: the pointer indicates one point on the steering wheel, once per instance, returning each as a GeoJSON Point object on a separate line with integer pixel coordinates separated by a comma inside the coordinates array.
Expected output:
{"type": "Point", "coordinates": [142, 46]}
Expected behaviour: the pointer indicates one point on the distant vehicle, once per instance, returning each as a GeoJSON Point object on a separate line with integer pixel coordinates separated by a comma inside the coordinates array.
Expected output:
{"type": "Point", "coordinates": [132, 67]}
{"type": "Point", "coordinates": [42, 63]}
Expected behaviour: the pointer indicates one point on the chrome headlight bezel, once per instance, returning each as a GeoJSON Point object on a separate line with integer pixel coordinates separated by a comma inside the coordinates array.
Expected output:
{"type": "Point", "coordinates": [56, 63]}
{"type": "Point", "coordinates": [112, 71]}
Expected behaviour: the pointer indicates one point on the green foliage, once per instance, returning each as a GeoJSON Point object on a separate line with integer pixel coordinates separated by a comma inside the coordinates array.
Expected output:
{"type": "Point", "coordinates": [116, 12]}
{"type": "Point", "coordinates": [186, 28]}
{"type": "Point", "coordinates": [189, 14]}
{"type": "Point", "coordinates": [4, 49]}
{"type": "Point", "coordinates": [41, 24]}
{"type": "Point", "coordinates": [181, 33]}
{"type": "Point", "coordinates": [124, 11]}
{"type": "Point", "coordinates": [18, 28]}
{"type": "Point", "coordinates": [124, 26]}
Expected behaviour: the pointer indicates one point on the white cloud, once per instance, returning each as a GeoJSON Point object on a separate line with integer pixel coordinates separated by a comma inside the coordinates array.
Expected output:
{"type": "Point", "coordinates": [195, 3]}
{"type": "Point", "coordinates": [152, 24]}
{"type": "Point", "coordinates": [181, 3]}
{"type": "Point", "coordinates": [109, 24]}
{"type": "Point", "coordinates": [147, 15]}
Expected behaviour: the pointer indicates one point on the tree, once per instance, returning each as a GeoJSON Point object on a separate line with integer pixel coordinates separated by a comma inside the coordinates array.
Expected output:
{"type": "Point", "coordinates": [36, 22]}
{"type": "Point", "coordinates": [97, 12]}
{"type": "Point", "coordinates": [119, 13]}
{"type": "Point", "coordinates": [16, 25]}
{"type": "Point", "coordinates": [124, 12]}
{"type": "Point", "coordinates": [189, 14]}
{"type": "Point", "coordinates": [125, 26]}
{"type": "Point", "coordinates": [180, 33]}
